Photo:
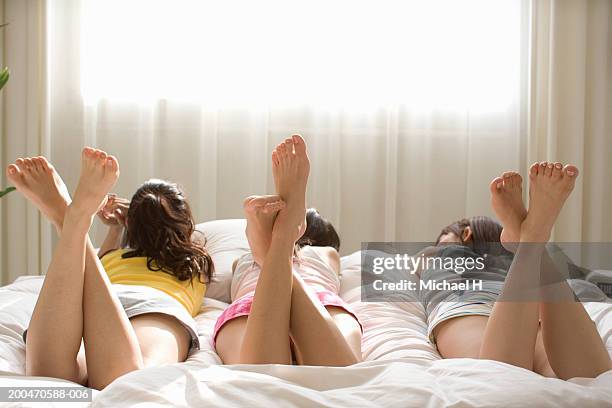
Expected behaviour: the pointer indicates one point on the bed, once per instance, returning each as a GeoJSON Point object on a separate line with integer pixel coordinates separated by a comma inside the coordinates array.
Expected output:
{"type": "Point", "coordinates": [400, 369]}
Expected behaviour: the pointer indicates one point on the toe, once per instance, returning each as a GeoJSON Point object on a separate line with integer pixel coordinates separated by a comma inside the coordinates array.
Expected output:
{"type": "Point", "coordinates": [517, 180]}
{"type": "Point", "coordinates": [557, 170]}
{"type": "Point", "coordinates": [13, 171]}
{"type": "Point", "coordinates": [542, 169]}
{"type": "Point", "coordinates": [274, 206]}
{"type": "Point", "coordinates": [571, 170]}
{"type": "Point", "coordinates": [101, 155]}
{"type": "Point", "coordinates": [289, 146]}
{"type": "Point", "coordinates": [37, 163]}
{"type": "Point", "coordinates": [496, 185]}
{"type": "Point", "coordinates": [299, 145]}
{"type": "Point", "coordinates": [257, 201]}
{"type": "Point", "coordinates": [246, 204]}
{"type": "Point", "coordinates": [111, 163]}
{"type": "Point", "coordinates": [274, 157]}
{"type": "Point", "coordinates": [507, 176]}
{"type": "Point", "coordinates": [88, 152]}
{"type": "Point", "coordinates": [549, 169]}
{"type": "Point", "coordinates": [28, 164]}
{"type": "Point", "coordinates": [533, 170]}
{"type": "Point", "coordinates": [45, 164]}
{"type": "Point", "coordinates": [282, 152]}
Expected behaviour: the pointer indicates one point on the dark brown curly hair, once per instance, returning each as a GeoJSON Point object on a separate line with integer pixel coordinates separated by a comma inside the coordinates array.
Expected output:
{"type": "Point", "coordinates": [160, 227]}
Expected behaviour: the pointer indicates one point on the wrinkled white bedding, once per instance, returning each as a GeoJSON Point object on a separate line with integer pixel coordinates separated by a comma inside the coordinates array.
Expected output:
{"type": "Point", "coordinates": [401, 368]}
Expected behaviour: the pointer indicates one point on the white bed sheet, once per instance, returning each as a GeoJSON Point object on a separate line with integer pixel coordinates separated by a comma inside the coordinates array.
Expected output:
{"type": "Point", "coordinates": [401, 369]}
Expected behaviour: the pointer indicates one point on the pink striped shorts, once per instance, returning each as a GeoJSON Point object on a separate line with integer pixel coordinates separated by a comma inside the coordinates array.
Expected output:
{"type": "Point", "coordinates": [242, 307]}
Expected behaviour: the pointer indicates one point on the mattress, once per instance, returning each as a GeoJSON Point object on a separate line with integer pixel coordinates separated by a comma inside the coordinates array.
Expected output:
{"type": "Point", "coordinates": [401, 368]}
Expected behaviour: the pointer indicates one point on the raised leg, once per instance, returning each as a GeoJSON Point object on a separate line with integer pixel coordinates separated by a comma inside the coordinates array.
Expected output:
{"type": "Point", "coordinates": [322, 336]}
{"type": "Point", "coordinates": [104, 320]}
{"type": "Point", "coordinates": [56, 327]}
{"type": "Point", "coordinates": [266, 335]}
{"type": "Point", "coordinates": [462, 337]}
{"type": "Point", "coordinates": [573, 344]}
{"type": "Point", "coordinates": [162, 339]}
{"type": "Point", "coordinates": [511, 332]}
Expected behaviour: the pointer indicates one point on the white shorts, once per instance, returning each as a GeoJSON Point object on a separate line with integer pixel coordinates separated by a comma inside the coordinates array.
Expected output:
{"type": "Point", "coordinates": [468, 303]}
{"type": "Point", "coordinates": [139, 300]}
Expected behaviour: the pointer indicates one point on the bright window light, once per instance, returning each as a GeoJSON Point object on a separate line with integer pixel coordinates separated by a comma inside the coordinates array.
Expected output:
{"type": "Point", "coordinates": [442, 54]}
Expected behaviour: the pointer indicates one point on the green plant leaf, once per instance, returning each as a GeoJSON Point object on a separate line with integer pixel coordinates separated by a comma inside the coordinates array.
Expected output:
{"type": "Point", "coordinates": [4, 77]}
{"type": "Point", "coordinates": [6, 191]}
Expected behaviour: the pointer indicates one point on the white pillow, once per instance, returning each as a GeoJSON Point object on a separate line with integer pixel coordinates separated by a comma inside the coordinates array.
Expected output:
{"type": "Point", "coordinates": [225, 242]}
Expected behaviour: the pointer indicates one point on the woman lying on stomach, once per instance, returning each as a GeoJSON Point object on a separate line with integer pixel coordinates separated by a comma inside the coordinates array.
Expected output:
{"type": "Point", "coordinates": [286, 307]}
{"type": "Point", "coordinates": [528, 317]}
{"type": "Point", "coordinates": [97, 320]}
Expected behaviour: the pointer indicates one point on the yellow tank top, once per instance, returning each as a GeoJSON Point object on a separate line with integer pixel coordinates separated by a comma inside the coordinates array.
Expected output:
{"type": "Point", "coordinates": [134, 271]}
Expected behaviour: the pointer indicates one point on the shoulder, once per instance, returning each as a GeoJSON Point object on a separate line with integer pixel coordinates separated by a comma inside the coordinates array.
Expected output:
{"type": "Point", "coordinates": [328, 254]}
{"type": "Point", "coordinates": [112, 254]}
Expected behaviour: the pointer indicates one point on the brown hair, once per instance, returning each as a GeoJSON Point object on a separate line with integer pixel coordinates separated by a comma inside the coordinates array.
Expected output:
{"type": "Point", "coordinates": [319, 231]}
{"type": "Point", "coordinates": [486, 234]}
{"type": "Point", "coordinates": [160, 227]}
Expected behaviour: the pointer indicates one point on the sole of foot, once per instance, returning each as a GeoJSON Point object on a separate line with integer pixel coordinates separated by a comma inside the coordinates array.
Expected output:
{"type": "Point", "coordinates": [39, 182]}
{"type": "Point", "coordinates": [291, 168]}
{"type": "Point", "coordinates": [260, 212]}
{"type": "Point", "coordinates": [99, 173]}
{"type": "Point", "coordinates": [507, 203]}
{"type": "Point", "coordinates": [550, 185]}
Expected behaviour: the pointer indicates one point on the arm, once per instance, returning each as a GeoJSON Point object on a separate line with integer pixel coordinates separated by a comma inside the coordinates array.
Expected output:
{"type": "Point", "coordinates": [112, 240]}
{"type": "Point", "coordinates": [113, 214]}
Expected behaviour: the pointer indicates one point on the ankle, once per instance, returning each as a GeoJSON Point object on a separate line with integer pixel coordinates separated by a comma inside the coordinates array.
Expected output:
{"type": "Point", "coordinates": [282, 238]}
{"type": "Point", "coordinates": [57, 218]}
{"type": "Point", "coordinates": [535, 230]}
{"type": "Point", "coordinates": [534, 237]}
{"type": "Point", "coordinates": [77, 215]}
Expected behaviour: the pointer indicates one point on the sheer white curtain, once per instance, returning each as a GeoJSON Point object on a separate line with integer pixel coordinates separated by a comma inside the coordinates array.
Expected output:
{"type": "Point", "coordinates": [571, 107]}
{"type": "Point", "coordinates": [409, 108]}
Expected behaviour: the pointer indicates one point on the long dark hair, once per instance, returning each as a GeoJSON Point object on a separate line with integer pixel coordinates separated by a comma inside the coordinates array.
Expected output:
{"type": "Point", "coordinates": [319, 231]}
{"type": "Point", "coordinates": [486, 234]}
{"type": "Point", "coordinates": [160, 227]}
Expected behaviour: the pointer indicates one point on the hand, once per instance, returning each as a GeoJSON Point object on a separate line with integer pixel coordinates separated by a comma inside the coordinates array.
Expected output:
{"type": "Point", "coordinates": [114, 212]}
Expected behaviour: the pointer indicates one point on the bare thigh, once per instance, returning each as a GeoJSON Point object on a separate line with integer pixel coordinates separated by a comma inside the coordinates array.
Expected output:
{"type": "Point", "coordinates": [540, 359]}
{"type": "Point", "coordinates": [229, 340]}
{"type": "Point", "coordinates": [162, 338]}
{"type": "Point", "coordinates": [349, 326]}
{"type": "Point", "coordinates": [461, 337]}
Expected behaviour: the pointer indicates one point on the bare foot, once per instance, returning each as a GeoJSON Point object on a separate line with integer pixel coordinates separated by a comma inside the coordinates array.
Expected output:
{"type": "Point", "coordinates": [39, 182]}
{"type": "Point", "coordinates": [291, 167]}
{"type": "Point", "coordinates": [260, 213]}
{"type": "Point", "coordinates": [507, 203]}
{"type": "Point", "coordinates": [99, 173]}
{"type": "Point", "coordinates": [550, 185]}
